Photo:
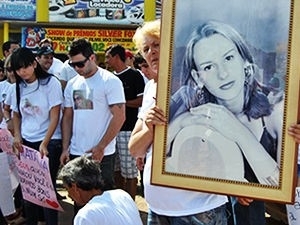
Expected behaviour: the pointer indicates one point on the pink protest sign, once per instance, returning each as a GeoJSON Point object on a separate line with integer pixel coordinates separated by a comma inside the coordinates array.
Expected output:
{"type": "Point", "coordinates": [35, 179]}
{"type": "Point", "coordinates": [6, 140]}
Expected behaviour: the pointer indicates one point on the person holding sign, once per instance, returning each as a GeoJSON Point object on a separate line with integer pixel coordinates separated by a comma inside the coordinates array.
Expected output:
{"type": "Point", "coordinates": [36, 118]}
{"type": "Point", "coordinates": [83, 180]}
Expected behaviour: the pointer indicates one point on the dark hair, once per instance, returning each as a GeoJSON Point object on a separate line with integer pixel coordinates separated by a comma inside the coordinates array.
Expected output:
{"type": "Point", "coordinates": [6, 45]}
{"type": "Point", "coordinates": [1, 64]}
{"type": "Point", "coordinates": [117, 50]}
{"type": "Point", "coordinates": [22, 58]}
{"type": "Point", "coordinates": [81, 46]}
{"type": "Point", "coordinates": [2, 69]}
{"type": "Point", "coordinates": [83, 172]}
{"type": "Point", "coordinates": [138, 59]}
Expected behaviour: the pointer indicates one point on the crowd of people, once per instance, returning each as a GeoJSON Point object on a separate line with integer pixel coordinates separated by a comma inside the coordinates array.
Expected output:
{"type": "Point", "coordinates": [42, 112]}
{"type": "Point", "coordinates": [98, 125]}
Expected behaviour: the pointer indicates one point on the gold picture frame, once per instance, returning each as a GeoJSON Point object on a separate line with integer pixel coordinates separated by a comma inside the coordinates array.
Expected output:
{"type": "Point", "coordinates": [179, 19]}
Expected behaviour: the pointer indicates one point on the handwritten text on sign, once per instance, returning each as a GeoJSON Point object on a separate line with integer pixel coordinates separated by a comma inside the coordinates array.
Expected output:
{"type": "Point", "coordinates": [35, 179]}
{"type": "Point", "coordinates": [293, 211]}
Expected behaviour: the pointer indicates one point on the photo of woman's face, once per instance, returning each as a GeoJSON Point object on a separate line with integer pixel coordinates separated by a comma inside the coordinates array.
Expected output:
{"type": "Point", "coordinates": [220, 66]}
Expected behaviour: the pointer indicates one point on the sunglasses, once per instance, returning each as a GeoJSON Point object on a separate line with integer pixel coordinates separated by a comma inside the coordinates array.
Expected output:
{"type": "Point", "coordinates": [79, 64]}
{"type": "Point", "coordinates": [8, 69]}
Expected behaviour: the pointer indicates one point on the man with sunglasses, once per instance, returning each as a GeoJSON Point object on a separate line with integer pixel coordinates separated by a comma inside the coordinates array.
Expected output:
{"type": "Point", "coordinates": [92, 130]}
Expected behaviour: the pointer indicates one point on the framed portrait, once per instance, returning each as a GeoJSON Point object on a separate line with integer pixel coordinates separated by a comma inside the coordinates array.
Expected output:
{"type": "Point", "coordinates": [229, 84]}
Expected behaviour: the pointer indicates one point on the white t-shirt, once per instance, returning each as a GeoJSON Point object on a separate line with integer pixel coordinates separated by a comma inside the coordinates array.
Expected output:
{"type": "Point", "coordinates": [5, 88]}
{"type": "Point", "coordinates": [144, 77]}
{"type": "Point", "coordinates": [56, 67]}
{"type": "Point", "coordinates": [11, 95]}
{"type": "Point", "coordinates": [171, 201]}
{"type": "Point", "coordinates": [36, 100]}
{"type": "Point", "coordinates": [90, 99]}
{"type": "Point", "coordinates": [67, 72]}
{"type": "Point", "coordinates": [114, 207]}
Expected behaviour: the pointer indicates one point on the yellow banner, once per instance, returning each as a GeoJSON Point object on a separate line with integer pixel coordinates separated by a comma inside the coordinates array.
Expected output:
{"type": "Point", "coordinates": [100, 38]}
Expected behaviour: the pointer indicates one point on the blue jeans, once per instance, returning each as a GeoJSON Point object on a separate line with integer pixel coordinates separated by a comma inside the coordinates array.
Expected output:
{"type": "Point", "coordinates": [33, 212]}
{"type": "Point", "coordinates": [215, 216]}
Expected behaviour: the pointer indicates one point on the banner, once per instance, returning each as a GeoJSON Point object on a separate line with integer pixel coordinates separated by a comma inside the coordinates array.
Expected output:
{"type": "Point", "coordinates": [35, 179]}
{"type": "Point", "coordinates": [97, 11]}
{"type": "Point", "coordinates": [100, 38]}
{"type": "Point", "coordinates": [18, 10]}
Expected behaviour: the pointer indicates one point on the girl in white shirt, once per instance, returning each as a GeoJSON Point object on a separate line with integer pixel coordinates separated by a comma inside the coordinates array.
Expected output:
{"type": "Point", "coordinates": [36, 118]}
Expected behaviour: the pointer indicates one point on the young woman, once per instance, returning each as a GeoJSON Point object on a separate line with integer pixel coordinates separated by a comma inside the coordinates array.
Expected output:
{"type": "Point", "coordinates": [218, 78]}
{"type": "Point", "coordinates": [219, 84]}
{"type": "Point", "coordinates": [36, 119]}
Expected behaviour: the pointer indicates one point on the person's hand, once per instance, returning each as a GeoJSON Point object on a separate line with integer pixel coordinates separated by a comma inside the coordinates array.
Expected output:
{"type": "Point", "coordinates": [17, 144]}
{"type": "Point", "coordinates": [97, 153]}
{"type": "Point", "coordinates": [218, 117]}
{"type": "Point", "coordinates": [155, 116]}
{"type": "Point", "coordinates": [140, 163]}
{"type": "Point", "coordinates": [244, 201]}
{"type": "Point", "coordinates": [10, 126]}
{"type": "Point", "coordinates": [64, 157]}
{"type": "Point", "coordinates": [294, 131]}
{"type": "Point", "coordinates": [43, 150]}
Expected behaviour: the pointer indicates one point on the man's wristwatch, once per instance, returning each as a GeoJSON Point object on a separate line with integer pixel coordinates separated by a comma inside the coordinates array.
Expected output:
{"type": "Point", "coordinates": [7, 119]}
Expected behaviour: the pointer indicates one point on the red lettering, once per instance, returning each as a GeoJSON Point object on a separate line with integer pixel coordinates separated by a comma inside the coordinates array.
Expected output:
{"type": "Point", "coordinates": [56, 32]}
{"type": "Point", "coordinates": [110, 33]}
{"type": "Point", "coordinates": [84, 33]}
{"type": "Point", "coordinates": [129, 33]}
{"type": "Point", "coordinates": [62, 48]}
{"type": "Point", "coordinates": [54, 45]}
